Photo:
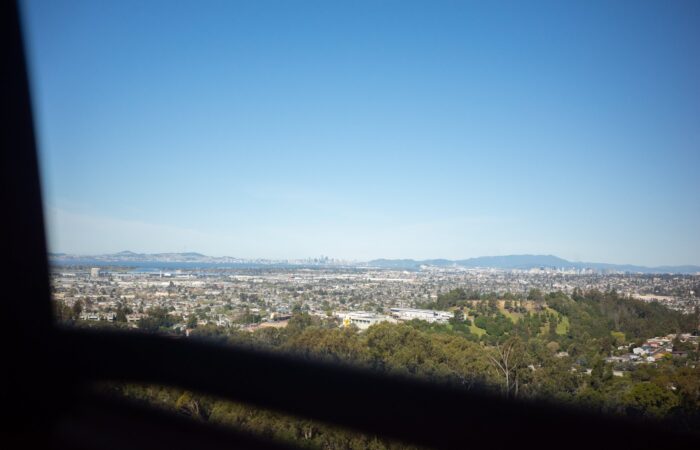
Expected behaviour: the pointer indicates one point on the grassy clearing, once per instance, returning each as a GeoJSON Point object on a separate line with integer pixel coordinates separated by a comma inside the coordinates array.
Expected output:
{"type": "Point", "coordinates": [563, 325]}
{"type": "Point", "coordinates": [515, 317]}
{"type": "Point", "coordinates": [476, 330]}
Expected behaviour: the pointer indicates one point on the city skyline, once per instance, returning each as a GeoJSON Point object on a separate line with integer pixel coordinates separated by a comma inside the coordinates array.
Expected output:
{"type": "Point", "coordinates": [179, 260]}
{"type": "Point", "coordinates": [377, 130]}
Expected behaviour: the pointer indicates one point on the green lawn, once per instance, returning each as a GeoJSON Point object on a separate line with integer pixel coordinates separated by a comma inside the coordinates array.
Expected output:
{"type": "Point", "coordinates": [476, 330]}
{"type": "Point", "coordinates": [511, 315]}
{"type": "Point", "coordinates": [563, 325]}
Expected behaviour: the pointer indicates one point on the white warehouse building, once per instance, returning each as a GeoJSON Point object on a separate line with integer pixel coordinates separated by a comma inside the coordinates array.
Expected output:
{"type": "Point", "coordinates": [364, 320]}
{"type": "Point", "coordinates": [428, 315]}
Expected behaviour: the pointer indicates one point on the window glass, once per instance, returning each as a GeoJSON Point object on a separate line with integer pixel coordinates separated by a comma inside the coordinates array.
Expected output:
{"type": "Point", "coordinates": [495, 195]}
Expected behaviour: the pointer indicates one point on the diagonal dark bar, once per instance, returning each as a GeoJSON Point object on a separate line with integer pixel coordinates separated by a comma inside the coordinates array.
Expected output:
{"type": "Point", "coordinates": [405, 409]}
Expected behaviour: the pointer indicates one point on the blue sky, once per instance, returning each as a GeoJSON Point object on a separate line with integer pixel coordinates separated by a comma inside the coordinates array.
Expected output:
{"type": "Point", "coordinates": [370, 129]}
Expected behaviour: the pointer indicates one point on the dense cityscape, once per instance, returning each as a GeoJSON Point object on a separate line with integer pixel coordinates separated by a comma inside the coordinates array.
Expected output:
{"type": "Point", "coordinates": [240, 297]}
{"type": "Point", "coordinates": [621, 343]}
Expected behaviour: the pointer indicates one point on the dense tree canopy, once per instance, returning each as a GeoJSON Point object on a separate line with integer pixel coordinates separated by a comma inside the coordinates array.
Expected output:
{"type": "Point", "coordinates": [548, 347]}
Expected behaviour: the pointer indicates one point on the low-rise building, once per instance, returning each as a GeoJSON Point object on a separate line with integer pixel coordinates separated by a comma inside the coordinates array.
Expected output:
{"type": "Point", "coordinates": [364, 320]}
{"type": "Point", "coordinates": [429, 315]}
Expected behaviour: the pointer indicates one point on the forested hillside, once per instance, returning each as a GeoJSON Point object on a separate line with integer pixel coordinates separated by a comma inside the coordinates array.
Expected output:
{"type": "Point", "coordinates": [541, 347]}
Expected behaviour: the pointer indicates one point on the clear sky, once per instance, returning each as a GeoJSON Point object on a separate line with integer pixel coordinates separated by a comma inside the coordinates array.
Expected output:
{"type": "Point", "coordinates": [370, 129]}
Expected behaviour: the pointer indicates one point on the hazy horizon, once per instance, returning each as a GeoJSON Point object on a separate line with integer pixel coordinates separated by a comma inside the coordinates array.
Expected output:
{"type": "Point", "coordinates": [285, 130]}
{"type": "Point", "coordinates": [335, 258]}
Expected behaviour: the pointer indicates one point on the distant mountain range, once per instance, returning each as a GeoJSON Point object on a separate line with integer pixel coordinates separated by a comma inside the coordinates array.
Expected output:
{"type": "Point", "coordinates": [183, 260]}
{"type": "Point", "coordinates": [510, 262]}
{"type": "Point", "coordinates": [525, 262]}
{"type": "Point", "coordinates": [128, 256]}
